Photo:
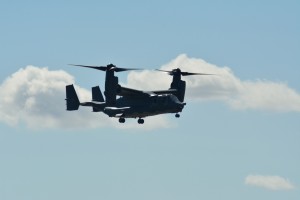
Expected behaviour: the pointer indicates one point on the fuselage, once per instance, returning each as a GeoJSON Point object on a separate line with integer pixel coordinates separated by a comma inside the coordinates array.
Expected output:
{"type": "Point", "coordinates": [127, 107]}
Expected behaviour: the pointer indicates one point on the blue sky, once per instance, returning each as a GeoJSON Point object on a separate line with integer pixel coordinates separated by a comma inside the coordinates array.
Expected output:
{"type": "Point", "coordinates": [237, 138]}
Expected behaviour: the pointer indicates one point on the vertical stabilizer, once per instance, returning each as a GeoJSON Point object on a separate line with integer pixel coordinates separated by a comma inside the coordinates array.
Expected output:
{"type": "Point", "coordinates": [71, 98]}
{"type": "Point", "coordinates": [96, 94]}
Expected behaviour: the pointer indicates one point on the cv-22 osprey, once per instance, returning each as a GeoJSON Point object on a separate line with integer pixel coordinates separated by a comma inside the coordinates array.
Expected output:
{"type": "Point", "coordinates": [122, 102]}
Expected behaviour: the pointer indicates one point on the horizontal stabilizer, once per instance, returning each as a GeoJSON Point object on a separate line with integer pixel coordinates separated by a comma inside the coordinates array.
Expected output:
{"type": "Point", "coordinates": [113, 111]}
{"type": "Point", "coordinates": [97, 106]}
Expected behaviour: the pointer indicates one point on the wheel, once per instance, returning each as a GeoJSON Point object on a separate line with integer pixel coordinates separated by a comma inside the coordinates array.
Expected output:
{"type": "Point", "coordinates": [140, 121]}
{"type": "Point", "coordinates": [177, 115]}
{"type": "Point", "coordinates": [122, 120]}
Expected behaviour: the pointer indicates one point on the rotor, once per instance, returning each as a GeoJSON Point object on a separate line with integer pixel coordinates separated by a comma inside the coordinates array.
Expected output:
{"type": "Point", "coordinates": [109, 67]}
{"type": "Point", "coordinates": [178, 72]}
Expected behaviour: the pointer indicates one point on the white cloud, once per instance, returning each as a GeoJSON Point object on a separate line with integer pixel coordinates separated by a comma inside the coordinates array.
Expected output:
{"type": "Point", "coordinates": [36, 97]}
{"type": "Point", "coordinates": [269, 182]}
{"type": "Point", "coordinates": [224, 86]}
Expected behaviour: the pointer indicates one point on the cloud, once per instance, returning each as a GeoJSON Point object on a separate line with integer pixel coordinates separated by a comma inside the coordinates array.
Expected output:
{"type": "Point", "coordinates": [223, 86]}
{"type": "Point", "coordinates": [269, 182]}
{"type": "Point", "coordinates": [35, 97]}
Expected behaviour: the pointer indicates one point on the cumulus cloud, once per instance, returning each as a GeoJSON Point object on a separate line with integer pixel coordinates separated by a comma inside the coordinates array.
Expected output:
{"type": "Point", "coordinates": [223, 86]}
{"type": "Point", "coordinates": [269, 182]}
{"type": "Point", "coordinates": [35, 97]}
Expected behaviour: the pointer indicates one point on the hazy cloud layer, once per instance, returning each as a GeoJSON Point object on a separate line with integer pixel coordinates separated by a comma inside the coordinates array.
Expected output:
{"type": "Point", "coordinates": [223, 86]}
{"type": "Point", "coordinates": [36, 97]}
{"type": "Point", "coordinates": [269, 182]}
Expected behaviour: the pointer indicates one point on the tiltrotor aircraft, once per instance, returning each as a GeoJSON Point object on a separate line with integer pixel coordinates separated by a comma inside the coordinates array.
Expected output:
{"type": "Point", "coordinates": [122, 102]}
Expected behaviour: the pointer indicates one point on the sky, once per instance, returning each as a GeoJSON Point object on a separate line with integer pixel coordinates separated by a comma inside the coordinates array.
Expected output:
{"type": "Point", "coordinates": [237, 138]}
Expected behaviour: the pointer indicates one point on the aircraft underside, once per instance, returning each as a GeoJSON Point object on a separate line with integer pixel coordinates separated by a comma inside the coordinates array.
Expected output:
{"type": "Point", "coordinates": [141, 115]}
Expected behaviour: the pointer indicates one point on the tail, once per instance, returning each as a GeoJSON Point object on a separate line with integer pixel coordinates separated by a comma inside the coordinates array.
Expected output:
{"type": "Point", "coordinates": [96, 94]}
{"type": "Point", "coordinates": [98, 97]}
{"type": "Point", "coordinates": [71, 98]}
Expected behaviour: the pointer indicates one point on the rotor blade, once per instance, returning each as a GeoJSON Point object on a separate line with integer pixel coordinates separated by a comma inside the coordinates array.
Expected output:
{"type": "Point", "coordinates": [163, 70]}
{"type": "Point", "coordinates": [182, 73]}
{"type": "Point", "coordinates": [102, 68]}
{"type": "Point", "coordinates": [119, 69]}
{"type": "Point", "coordinates": [107, 68]}
{"type": "Point", "coordinates": [169, 72]}
{"type": "Point", "coordinates": [190, 74]}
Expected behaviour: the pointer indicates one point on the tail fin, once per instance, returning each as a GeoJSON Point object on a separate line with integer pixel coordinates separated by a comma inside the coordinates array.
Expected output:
{"type": "Point", "coordinates": [72, 98]}
{"type": "Point", "coordinates": [96, 94]}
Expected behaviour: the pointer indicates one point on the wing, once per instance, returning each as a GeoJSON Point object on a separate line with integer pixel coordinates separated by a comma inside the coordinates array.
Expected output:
{"type": "Point", "coordinates": [169, 91]}
{"type": "Point", "coordinates": [129, 92]}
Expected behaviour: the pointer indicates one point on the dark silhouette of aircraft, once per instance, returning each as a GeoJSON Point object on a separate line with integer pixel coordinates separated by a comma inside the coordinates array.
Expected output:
{"type": "Point", "coordinates": [122, 102]}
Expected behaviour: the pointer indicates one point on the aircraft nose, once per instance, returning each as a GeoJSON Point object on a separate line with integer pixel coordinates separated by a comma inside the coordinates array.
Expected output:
{"type": "Point", "coordinates": [181, 105]}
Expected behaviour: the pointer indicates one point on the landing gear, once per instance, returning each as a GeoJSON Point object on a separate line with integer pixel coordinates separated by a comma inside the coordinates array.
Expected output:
{"type": "Point", "coordinates": [122, 120]}
{"type": "Point", "coordinates": [140, 121]}
{"type": "Point", "coordinates": [177, 115]}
